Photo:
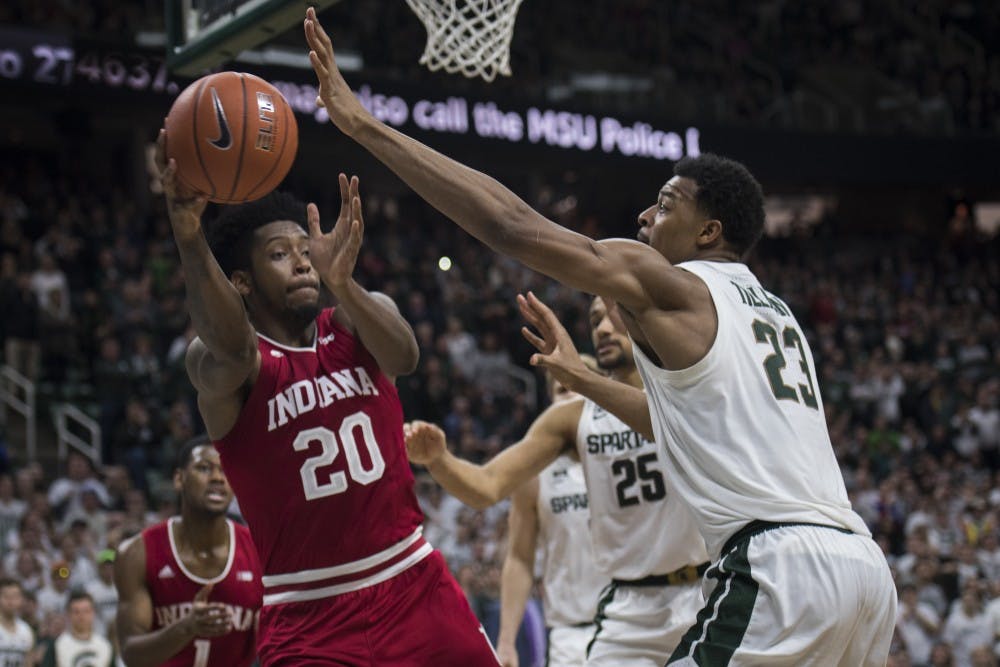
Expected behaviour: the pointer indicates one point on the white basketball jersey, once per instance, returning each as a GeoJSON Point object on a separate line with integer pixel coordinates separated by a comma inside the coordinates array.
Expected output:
{"type": "Point", "coordinates": [638, 525]}
{"type": "Point", "coordinates": [744, 427]}
{"type": "Point", "coordinates": [14, 646]}
{"type": "Point", "coordinates": [571, 581]}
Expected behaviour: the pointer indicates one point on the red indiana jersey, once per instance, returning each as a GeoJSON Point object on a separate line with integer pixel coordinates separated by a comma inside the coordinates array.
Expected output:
{"type": "Point", "coordinates": [172, 588]}
{"type": "Point", "coordinates": [319, 466]}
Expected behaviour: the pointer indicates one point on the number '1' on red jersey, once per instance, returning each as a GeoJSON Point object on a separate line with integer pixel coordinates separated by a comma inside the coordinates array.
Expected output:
{"type": "Point", "coordinates": [172, 588]}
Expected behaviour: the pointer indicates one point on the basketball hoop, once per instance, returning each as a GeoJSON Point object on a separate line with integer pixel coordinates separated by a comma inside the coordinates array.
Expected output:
{"type": "Point", "coordinates": [471, 37]}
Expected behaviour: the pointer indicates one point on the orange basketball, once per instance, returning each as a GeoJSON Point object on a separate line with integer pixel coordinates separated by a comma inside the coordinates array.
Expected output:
{"type": "Point", "coordinates": [233, 135]}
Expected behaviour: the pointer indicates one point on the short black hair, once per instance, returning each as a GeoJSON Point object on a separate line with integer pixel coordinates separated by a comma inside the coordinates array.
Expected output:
{"type": "Point", "coordinates": [8, 581]}
{"type": "Point", "coordinates": [231, 234]}
{"type": "Point", "coordinates": [184, 453]}
{"type": "Point", "coordinates": [729, 193]}
{"type": "Point", "coordinates": [78, 594]}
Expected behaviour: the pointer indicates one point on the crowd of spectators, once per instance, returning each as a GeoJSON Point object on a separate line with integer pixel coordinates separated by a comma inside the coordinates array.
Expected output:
{"type": "Point", "coordinates": [859, 65]}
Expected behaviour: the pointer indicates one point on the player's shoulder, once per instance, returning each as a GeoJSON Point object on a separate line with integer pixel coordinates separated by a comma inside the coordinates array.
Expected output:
{"type": "Point", "coordinates": [562, 416]}
{"type": "Point", "coordinates": [157, 529]}
{"type": "Point", "coordinates": [242, 532]}
{"type": "Point", "coordinates": [132, 551]}
{"type": "Point", "coordinates": [636, 255]}
{"type": "Point", "coordinates": [137, 543]}
{"type": "Point", "coordinates": [333, 320]}
{"type": "Point", "coordinates": [385, 299]}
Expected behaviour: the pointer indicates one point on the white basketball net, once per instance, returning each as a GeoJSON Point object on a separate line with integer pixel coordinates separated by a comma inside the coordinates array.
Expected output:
{"type": "Point", "coordinates": [467, 36]}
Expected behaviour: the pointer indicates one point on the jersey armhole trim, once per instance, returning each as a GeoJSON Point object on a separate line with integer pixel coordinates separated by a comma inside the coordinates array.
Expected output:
{"type": "Point", "coordinates": [688, 376]}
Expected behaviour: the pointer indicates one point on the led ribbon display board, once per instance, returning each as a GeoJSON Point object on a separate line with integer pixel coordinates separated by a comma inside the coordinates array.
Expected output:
{"type": "Point", "coordinates": [51, 59]}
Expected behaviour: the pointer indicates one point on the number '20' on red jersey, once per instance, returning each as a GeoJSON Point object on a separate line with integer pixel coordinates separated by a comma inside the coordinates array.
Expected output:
{"type": "Point", "coordinates": [172, 588]}
{"type": "Point", "coordinates": [318, 464]}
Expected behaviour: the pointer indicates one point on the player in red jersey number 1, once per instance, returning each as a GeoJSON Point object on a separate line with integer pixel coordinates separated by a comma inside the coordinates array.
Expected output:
{"type": "Point", "coordinates": [189, 587]}
{"type": "Point", "coordinates": [302, 406]}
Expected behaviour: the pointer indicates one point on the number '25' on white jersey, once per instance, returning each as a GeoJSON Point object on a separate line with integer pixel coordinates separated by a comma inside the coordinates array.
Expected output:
{"type": "Point", "coordinates": [638, 524]}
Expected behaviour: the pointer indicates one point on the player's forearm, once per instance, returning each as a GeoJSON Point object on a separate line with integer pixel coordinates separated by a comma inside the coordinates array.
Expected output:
{"type": "Point", "coordinates": [476, 202]}
{"type": "Point", "coordinates": [516, 579]}
{"type": "Point", "coordinates": [215, 307]}
{"type": "Point", "coordinates": [470, 483]}
{"type": "Point", "coordinates": [624, 401]}
{"type": "Point", "coordinates": [380, 327]}
{"type": "Point", "coordinates": [155, 648]}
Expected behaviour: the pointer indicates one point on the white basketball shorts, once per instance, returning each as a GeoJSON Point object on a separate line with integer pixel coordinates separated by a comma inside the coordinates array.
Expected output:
{"type": "Point", "coordinates": [794, 595]}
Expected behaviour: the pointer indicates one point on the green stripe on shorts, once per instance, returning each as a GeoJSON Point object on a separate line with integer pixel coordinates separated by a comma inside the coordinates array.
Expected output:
{"type": "Point", "coordinates": [607, 595]}
{"type": "Point", "coordinates": [722, 622]}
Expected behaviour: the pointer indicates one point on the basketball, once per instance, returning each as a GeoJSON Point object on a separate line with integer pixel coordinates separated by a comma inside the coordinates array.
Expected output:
{"type": "Point", "coordinates": [233, 136]}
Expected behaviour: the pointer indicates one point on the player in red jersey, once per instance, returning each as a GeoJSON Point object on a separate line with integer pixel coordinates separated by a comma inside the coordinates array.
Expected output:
{"type": "Point", "coordinates": [302, 405]}
{"type": "Point", "coordinates": [189, 588]}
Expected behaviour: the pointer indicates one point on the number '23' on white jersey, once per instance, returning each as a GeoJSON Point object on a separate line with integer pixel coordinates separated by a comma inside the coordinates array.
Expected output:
{"type": "Point", "coordinates": [744, 427]}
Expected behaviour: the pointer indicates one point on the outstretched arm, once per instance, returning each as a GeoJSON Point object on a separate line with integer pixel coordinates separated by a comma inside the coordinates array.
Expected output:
{"type": "Point", "coordinates": [373, 316]}
{"type": "Point", "coordinates": [557, 354]}
{"type": "Point", "coordinates": [225, 353]}
{"type": "Point", "coordinates": [480, 486]}
{"type": "Point", "coordinates": [140, 644]}
{"type": "Point", "coordinates": [224, 356]}
{"type": "Point", "coordinates": [518, 574]}
{"type": "Point", "coordinates": [627, 271]}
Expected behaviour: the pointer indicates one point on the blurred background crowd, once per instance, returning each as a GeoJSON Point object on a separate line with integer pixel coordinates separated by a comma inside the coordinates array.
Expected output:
{"type": "Point", "coordinates": [904, 325]}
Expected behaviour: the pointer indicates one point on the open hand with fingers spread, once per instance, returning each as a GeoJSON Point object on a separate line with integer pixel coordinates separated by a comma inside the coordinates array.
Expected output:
{"type": "Point", "coordinates": [335, 253]}
{"type": "Point", "coordinates": [335, 95]}
{"type": "Point", "coordinates": [425, 442]}
{"type": "Point", "coordinates": [556, 351]}
{"type": "Point", "coordinates": [183, 206]}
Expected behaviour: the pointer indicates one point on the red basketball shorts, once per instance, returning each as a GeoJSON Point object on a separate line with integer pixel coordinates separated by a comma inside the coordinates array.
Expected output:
{"type": "Point", "coordinates": [419, 617]}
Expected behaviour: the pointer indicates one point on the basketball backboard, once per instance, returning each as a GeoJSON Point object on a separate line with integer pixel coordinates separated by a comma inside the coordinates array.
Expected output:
{"type": "Point", "coordinates": [202, 34]}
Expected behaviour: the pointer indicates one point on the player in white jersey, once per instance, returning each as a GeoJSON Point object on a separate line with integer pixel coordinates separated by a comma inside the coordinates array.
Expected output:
{"type": "Point", "coordinates": [748, 457]}
{"type": "Point", "coordinates": [549, 514]}
{"type": "Point", "coordinates": [643, 538]}
{"type": "Point", "coordinates": [16, 637]}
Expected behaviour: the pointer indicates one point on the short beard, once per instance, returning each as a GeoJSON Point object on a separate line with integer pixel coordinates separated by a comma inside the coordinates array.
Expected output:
{"type": "Point", "coordinates": [306, 313]}
{"type": "Point", "coordinates": [613, 364]}
{"type": "Point", "coordinates": [205, 513]}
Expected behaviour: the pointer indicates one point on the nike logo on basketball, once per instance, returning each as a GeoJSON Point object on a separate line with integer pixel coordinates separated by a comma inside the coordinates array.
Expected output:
{"type": "Point", "coordinates": [165, 573]}
{"type": "Point", "coordinates": [225, 140]}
